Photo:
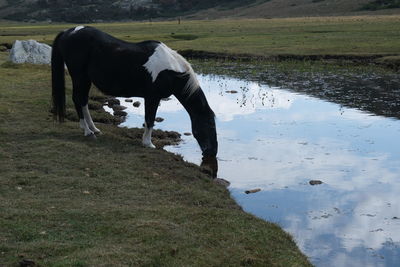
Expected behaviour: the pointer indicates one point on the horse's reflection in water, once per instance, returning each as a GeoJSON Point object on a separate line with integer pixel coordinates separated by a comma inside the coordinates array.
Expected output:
{"type": "Point", "coordinates": [211, 164]}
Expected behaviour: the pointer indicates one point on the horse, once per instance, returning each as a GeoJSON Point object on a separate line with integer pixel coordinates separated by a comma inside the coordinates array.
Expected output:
{"type": "Point", "coordinates": [147, 69]}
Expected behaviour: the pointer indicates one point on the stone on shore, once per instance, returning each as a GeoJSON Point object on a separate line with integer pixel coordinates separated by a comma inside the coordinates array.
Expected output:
{"type": "Point", "coordinates": [30, 51]}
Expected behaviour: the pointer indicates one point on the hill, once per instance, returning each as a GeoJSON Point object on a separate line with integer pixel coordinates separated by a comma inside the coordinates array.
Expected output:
{"type": "Point", "coordinates": [78, 11]}
{"type": "Point", "coordinates": [304, 8]}
{"type": "Point", "coordinates": [106, 10]}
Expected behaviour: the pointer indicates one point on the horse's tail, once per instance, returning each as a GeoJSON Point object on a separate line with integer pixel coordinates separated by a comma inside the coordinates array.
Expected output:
{"type": "Point", "coordinates": [58, 80]}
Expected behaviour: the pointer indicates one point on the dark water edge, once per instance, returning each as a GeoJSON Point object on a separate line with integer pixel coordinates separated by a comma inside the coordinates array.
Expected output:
{"type": "Point", "coordinates": [365, 87]}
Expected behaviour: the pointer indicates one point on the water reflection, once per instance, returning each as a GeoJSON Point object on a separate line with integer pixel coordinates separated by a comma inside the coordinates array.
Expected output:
{"type": "Point", "coordinates": [278, 141]}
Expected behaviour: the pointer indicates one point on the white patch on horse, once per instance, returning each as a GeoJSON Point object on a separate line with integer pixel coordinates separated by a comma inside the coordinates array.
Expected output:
{"type": "Point", "coordinates": [147, 137]}
{"type": "Point", "coordinates": [77, 29]}
{"type": "Point", "coordinates": [88, 119]}
{"type": "Point", "coordinates": [164, 58]}
{"type": "Point", "coordinates": [83, 124]}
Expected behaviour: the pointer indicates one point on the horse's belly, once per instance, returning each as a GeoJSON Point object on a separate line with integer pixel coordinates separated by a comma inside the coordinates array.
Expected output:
{"type": "Point", "coordinates": [119, 90]}
{"type": "Point", "coordinates": [118, 83]}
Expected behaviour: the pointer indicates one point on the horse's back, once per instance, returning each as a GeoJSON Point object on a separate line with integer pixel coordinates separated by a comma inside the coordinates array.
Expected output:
{"type": "Point", "coordinates": [118, 67]}
{"type": "Point", "coordinates": [84, 38]}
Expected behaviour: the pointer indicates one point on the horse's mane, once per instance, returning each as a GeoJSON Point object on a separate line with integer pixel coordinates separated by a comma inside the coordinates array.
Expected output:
{"type": "Point", "coordinates": [166, 58]}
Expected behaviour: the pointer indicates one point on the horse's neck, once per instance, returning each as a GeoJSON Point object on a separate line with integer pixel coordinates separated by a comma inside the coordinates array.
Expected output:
{"type": "Point", "coordinates": [196, 104]}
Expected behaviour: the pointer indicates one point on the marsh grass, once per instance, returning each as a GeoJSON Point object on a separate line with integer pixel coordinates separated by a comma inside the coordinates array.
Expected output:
{"type": "Point", "coordinates": [69, 201]}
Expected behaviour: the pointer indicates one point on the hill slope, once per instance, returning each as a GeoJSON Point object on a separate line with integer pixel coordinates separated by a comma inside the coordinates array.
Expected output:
{"type": "Point", "coordinates": [110, 10]}
{"type": "Point", "coordinates": [304, 8]}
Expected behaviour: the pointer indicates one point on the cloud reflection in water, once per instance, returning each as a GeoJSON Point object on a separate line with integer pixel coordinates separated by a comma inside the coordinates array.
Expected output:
{"type": "Point", "coordinates": [278, 141]}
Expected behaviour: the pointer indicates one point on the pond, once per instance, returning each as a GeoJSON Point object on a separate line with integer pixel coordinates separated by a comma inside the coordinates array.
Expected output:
{"type": "Point", "coordinates": [277, 140]}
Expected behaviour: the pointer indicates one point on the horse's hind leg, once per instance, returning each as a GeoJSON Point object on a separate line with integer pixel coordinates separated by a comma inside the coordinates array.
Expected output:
{"type": "Point", "coordinates": [89, 120]}
{"type": "Point", "coordinates": [80, 96]}
{"type": "Point", "coordinates": [150, 107]}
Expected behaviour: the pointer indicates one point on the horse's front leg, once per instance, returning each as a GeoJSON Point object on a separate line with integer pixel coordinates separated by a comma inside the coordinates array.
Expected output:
{"type": "Point", "coordinates": [150, 110]}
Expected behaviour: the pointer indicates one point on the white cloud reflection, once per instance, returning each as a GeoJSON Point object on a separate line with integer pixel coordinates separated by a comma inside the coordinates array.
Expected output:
{"type": "Point", "coordinates": [278, 141]}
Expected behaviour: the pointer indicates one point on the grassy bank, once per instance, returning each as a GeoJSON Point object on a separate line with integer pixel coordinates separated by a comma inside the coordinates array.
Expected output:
{"type": "Point", "coordinates": [69, 201]}
{"type": "Point", "coordinates": [66, 200]}
{"type": "Point", "coordinates": [362, 35]}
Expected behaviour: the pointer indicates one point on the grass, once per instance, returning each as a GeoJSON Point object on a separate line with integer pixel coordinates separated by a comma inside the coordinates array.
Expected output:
{"type": "Point", "coordinates": [358, 35]}
{"type": "Point", "coordinates": [69, 201]}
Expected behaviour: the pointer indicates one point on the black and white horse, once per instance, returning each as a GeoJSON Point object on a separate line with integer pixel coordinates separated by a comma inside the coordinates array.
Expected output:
{"type": "Point", "coordinates": [147, 69]}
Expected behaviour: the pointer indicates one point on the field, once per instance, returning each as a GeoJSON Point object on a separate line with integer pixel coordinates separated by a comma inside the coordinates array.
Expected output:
{"type": "Point", "coordinates": [351, 36]}
{"type": "Point", "coordinates": [68, 201]}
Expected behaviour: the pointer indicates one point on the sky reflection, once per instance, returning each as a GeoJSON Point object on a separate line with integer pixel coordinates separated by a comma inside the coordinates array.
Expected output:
{"type": "Point", "coordinates": [278, 141]}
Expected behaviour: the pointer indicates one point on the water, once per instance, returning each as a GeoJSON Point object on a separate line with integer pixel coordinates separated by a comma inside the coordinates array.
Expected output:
{"type": "Point", "coordinates": [277, 140]}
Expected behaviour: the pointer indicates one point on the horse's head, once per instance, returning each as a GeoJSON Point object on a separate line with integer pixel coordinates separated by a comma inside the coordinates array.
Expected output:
{"type": "Point", "coordinates": [204, 130]}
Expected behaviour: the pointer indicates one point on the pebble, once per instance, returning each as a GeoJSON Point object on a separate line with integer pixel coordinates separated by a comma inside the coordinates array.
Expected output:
{"type": "Point", "coordinates": [120, 113]}
{"type": "Point", "coordinates": [113, 101]}
{"type": "Point", "coordinates": [159, 119]}
{"type": "Point", "coordinates": [118, 107]}
{"type": "Point", "coordinates": [315, 182]}
{"type": "Point", "coordinates": [252, 191]}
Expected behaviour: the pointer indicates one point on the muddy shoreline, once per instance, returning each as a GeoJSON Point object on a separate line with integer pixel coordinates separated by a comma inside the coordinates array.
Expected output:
{"type": "Point", "coordinates": [391, 61]}
{"type": "Point", "coordinates": [99, 115]}
{"type": "Point", "coordinates": [365, 88]}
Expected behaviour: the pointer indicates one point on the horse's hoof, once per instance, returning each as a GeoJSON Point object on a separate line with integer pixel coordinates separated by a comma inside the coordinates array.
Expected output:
{"type": "Point", "coordinates": [149, 145]}
{"type": "Point", "coordinates": [91, 136]}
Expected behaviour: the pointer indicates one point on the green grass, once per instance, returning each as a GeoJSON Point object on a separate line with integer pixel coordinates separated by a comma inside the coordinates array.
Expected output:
{"type": "Point", "coordinates": [362, 35]}
{"type": "Point", "coordinates": [69, 201]}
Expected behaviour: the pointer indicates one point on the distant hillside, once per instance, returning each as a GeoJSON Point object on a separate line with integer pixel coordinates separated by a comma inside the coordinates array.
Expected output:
{"type": "Point", "coordinates": [303, 8]}
{"type": "Point", "coordinates": [79, 11]}
{"type": "Point", "coordinates": [106, 10]}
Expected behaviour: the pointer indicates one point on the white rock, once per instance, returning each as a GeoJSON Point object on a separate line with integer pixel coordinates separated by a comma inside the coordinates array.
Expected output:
{"type": "Point", "coordinates": [30, 51]}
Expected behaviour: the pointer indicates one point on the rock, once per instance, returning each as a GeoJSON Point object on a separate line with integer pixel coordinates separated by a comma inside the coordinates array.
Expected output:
{"type": "Point", "coordinates": [252, 191]}
{"type": "Point", "coordinates": [136, 104]}
{"type": "Point", "coordinates": [159, 119]}
{"type": "Point", "coordinates": [118, 107]}
{"type": "Point", "coordinates": [113, 101]}
{"type": "Point", "coordinates": [95, 106]}
{"type": "Point", "coordinates": [222, 182]}
{"type": "Point", "coordinates": [30, 51]}
{"type": "Point", "coordinates": [120, 113]}
{"type": "Point", "coordinates": [315, 182]}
